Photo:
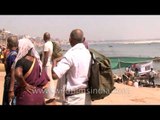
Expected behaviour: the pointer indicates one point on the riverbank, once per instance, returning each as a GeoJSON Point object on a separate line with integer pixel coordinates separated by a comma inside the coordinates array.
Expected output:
{"type": "Point", "coordinates": [122, 95]}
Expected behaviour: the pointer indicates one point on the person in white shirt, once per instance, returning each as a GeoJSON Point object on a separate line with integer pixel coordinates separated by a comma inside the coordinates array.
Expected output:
{"type": "Point", "coordinates": [74, 69]}
{"type": "Point", "coordinates": [47, 65]}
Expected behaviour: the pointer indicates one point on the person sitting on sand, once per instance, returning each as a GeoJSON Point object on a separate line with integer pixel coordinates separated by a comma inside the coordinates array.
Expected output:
{"type": "Point", "coordinates": [129, 72]}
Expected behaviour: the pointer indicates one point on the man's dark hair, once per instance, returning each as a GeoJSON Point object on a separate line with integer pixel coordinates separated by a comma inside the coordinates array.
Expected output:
{"type": "Point", "coordinates": [46, 35]}
{"type": "Point", "coordinates": [12, 41]}
{"type": "Point", "coordinates": [77, 35]}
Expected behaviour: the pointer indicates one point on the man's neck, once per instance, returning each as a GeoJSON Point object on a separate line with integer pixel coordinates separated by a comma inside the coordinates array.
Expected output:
{"type": "Point", "coordinates": [47, 40]}
{"type": "Point", "coordinates": [14, 48]}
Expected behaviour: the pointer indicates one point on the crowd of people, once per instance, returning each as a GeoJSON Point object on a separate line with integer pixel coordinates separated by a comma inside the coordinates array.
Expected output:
{"type": "Point", "coordinates": [132, 77]}
{"type": "Point", "coordinates": [34, 80]}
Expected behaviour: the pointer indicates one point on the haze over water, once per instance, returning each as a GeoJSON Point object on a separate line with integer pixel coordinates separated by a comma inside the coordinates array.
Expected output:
{"type": "Point", "coordinates": [95, 27]}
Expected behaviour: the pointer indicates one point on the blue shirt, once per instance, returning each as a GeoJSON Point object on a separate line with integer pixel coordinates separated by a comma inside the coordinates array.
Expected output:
{"type": "Point", "coordinates": [9, 60]}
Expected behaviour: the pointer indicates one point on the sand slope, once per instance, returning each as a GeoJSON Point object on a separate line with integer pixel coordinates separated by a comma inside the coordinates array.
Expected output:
{"type": "Point", "coordinates": [1, 86]}
{"type": "Point", "coordinates": [128, 95]}
{"type": "Point", "coordinates": [122, 95]}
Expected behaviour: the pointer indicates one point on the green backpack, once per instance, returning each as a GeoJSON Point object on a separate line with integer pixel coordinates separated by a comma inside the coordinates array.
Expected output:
{"type": "Point", "coordinates": [57, 51]}
{"type": "Point", "coordinates": [101, 82]}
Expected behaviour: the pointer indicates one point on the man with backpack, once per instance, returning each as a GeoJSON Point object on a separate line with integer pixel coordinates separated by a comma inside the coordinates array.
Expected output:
{"type": "Point", "coordinates": [74, 66]}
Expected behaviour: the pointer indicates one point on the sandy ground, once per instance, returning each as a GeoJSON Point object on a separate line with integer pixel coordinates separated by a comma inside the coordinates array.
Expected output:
{"type": "Point", "coordinates": [1, 86]}
{"type": "Point", "coordinates": [122, 95]}
{"type": "Point", "coordinates": [1, 67]}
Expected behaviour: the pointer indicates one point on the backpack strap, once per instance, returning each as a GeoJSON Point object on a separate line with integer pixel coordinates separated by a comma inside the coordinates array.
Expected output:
{"type": "Point", "coordinates": [57, 51]}
{"type": "Point", "coordinates": [92, 57]}
{"type": "Point", "coordinates": [91, 54]}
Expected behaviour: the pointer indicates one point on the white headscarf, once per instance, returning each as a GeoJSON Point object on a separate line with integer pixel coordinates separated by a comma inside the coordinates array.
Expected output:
{"type": "Point", "coordinates": [24, 45]}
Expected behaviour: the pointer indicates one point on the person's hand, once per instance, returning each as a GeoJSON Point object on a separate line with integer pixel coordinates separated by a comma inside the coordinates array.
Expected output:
{"type": "Point", "coordinates": [55, 61]}
{"type": "Point", "coordinates": [29, 88]}
{"type": "Point", "coordinates": [45, 86]}
{"type": "Point", "coordinates": [10, 95]}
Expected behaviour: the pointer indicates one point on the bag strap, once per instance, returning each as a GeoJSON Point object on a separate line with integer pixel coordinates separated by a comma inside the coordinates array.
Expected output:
{"type": "Point", "coordinates": [92, 61]}
{"type": "Point", "coordinates": [91, 54]}
{"type": "Point", "coordinates": [53, 43]}
{"type": "Point", "coordinates": [92, 57]}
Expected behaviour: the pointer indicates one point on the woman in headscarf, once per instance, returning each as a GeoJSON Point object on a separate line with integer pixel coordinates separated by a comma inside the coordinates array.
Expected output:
{"type": "Point", "coordinates": [29, 75]}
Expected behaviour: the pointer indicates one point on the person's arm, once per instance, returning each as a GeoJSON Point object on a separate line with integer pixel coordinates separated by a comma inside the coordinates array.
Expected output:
{"type": "Point", "coordinates": [54, 75]}
{"type": "Point", "coordinates": [5, 57]}
{"type": "Point", "coordinates": [61, 68]}
{"type": "Point", "coordinates": [12, 81]}
{"type": "Point", "coordinates": [56, 60]}
{"type": "Point", "coordinates": [20, 79]}
{"type": "Point", "coordinates": [11, 89]}
{"type": "Point", "coordinates": [45, 59]}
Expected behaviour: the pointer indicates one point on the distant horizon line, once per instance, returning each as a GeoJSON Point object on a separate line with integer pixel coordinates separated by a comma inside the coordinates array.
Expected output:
{"type": "Point", "coordinates": [90, 40]}
{"type": "Point", "coordinates": [142, 39]}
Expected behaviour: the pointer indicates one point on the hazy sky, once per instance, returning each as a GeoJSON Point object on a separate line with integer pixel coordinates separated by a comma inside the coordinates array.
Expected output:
{"type": "Point", "coordinates": [95, 27]}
